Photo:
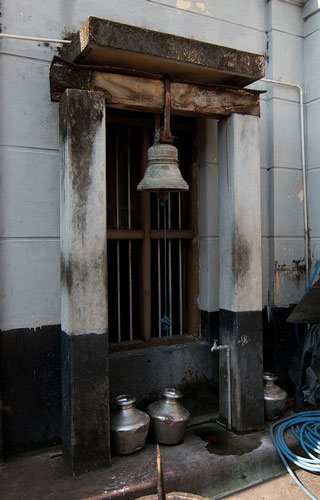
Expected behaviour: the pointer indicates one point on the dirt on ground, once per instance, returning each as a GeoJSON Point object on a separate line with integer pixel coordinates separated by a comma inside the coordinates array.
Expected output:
{"type": "Point", "coordinates": [282, 488]}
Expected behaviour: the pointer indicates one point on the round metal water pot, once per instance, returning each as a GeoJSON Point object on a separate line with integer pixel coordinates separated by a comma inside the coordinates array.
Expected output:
{"type": "Point", "coordinates": [275, 398]}
{"type": "Point", "coordinates": [168, 418]}
{"type": "Point", "coordinates": [129, 426]}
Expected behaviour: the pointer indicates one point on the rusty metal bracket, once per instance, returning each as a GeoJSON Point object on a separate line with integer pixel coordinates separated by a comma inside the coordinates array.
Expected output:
{"type": "Point", "coordinates": [160, 479]}
{"type": "Point", "coordinates": [56, 60]}
{"type": "Point", "coordinates": [166, 136]}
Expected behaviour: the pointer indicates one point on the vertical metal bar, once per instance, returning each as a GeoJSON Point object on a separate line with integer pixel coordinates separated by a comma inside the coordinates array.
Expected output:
{"type": "Point", "coordinates": [159, 270]}
{"type": "Point", "coordinates": [180, 270]}
{"type": "Point", "coordinates": [192, 249]}
{"type": "Point", "coordinates": [129, 248]}
{"type": "Point", "coordinates": [157, 124]}
{"type": "Point", "coordinates": [118, 225]}
{"type": "Point", "coordinates": [146, 247]}
{"type": "Point", "coordinates": [170, 265]}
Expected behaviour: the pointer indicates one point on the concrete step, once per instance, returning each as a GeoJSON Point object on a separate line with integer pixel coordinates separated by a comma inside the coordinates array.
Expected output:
{"type": "Point", "coordinates": [210, 461]}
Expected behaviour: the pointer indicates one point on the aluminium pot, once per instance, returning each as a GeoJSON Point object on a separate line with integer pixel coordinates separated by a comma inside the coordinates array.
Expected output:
{"type": "Point", "coordinates": [168, 417]}
{"type": "Point", "coordinates": [129, 426]}
{"type": "Point", "coordinates": [275, 398]}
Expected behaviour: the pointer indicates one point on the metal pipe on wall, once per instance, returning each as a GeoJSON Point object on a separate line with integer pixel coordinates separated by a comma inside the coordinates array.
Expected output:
{"type": "Point", "coordinates": [33, 38]}
{"type": "Point", "coordinates": [217, 347]}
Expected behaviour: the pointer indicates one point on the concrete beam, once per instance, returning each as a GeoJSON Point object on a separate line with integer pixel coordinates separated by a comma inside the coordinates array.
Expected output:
{"type": "Point", "coordinates": [104, 42]}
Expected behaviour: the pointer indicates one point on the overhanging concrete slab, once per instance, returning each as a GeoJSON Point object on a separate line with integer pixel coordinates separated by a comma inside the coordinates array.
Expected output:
{"type": "Point", "coordinates": [103, 42]}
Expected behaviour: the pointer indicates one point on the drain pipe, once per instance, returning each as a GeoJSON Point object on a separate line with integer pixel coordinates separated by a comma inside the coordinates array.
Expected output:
{"type": "Point", "coordinates": [33, 38]}
{"type": "Point", "coordinates": [217, 347]}
{"type": "Point", "coordinates": [303, 161]}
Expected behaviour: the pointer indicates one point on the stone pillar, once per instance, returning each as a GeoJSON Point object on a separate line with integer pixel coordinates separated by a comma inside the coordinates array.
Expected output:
{"type": "Point", "coordinates": [240, 289]}
{"type": "Point", "coordinates": [85, 387]}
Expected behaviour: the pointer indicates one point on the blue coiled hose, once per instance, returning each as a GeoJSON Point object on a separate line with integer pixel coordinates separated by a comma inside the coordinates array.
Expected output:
{"type": "Point", "coordinates": [305, 427]}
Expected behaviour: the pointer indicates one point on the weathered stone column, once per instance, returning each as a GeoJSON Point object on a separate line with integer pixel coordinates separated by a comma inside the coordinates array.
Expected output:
{"type": "Point", "coordinates": [240, 292]}
{"type": "Point", "coordinates": [85, 389]}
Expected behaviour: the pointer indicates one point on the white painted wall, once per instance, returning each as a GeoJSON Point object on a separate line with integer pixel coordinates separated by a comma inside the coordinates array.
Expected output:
{"type": "Point", "coordinates": [239, 214]}
{"type": "Point", "coordinates": [30, 151]}
{"type": "Point", "coordinates": [208, 206]}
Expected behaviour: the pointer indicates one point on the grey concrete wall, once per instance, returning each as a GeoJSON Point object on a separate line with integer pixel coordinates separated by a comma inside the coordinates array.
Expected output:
{"type": "Point", "coordinates": [283, 165]}
{"type": "Point", "coordinates": [311, 15]}
{"type": "Point", "coordinates": [190, 367]}
{"type": "Point", "coordinates": [29, 215]}
{"type": "Point", "coordinates": [208, 205]}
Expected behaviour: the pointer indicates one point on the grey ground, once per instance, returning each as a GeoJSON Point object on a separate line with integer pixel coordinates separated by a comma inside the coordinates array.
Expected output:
{"type": "Point", "coordinates": [210, 461]}
{"type": "Point", "coordinates": [281, 488]}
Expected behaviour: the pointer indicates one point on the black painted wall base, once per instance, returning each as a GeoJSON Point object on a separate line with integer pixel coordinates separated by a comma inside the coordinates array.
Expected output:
{"type": "Point", "coordinates": [31, 388]}
{"type": "Point", "coordinates": [242, 332]}
{"type": "Point", "coordinates": [280, 344]}
{"type": "Point", "coordinates": [210, 326]}
{"type": "Point", "coordinates": [191, 368]}
{"type": "Point", "coordinates": [1, 407]}
{"type": "Point", "coordinates": [31, 375]}
{"type": "Point", "coordinates": [85, 401]}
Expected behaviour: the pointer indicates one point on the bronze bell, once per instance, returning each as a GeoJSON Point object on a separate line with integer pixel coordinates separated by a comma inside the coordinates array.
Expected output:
{"type": "Point", "coordinates": [162, 172]}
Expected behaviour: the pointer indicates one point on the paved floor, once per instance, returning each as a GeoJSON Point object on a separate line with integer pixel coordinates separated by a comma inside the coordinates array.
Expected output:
{"type": "Point", "coordinates": [281, 488]}
{"type": "Point", "coordinates": [210, 462]}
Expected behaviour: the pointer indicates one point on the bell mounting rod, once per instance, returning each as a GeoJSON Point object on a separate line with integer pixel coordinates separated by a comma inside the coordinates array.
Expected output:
{"type": "Point", "coordinates": [166, 136]}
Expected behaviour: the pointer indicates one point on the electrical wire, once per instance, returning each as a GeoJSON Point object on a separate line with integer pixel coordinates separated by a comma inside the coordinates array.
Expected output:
{"type": "Point", "coordinates": [305, 427]}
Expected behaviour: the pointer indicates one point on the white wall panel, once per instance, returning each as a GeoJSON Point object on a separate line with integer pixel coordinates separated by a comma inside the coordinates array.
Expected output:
{"type": "Point", "coordinates": [286, 271]}
{"type": "Point", "coordinates": [209, 274]}
{"type": "Point", "coordinates": [286, 134]}
{"type": "Point", "coordinates": [28, 118]}
{"type": "Point", "coordinates": [286, 203]}
{"type": "Point", "coordinates": [29, 193]}
{"type": "Point", "coordinates": [312, 134]}
{"type": "Point", "coordinates": [312, 65]}
{"type": "Point", "coordinates": [30, 283]}
{"type": "Point", "coordinates": [314, 202]}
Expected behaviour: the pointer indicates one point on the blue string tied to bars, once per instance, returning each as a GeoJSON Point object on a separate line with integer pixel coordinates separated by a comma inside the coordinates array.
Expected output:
{"type": "Point", "coordinates": [165, 320]}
